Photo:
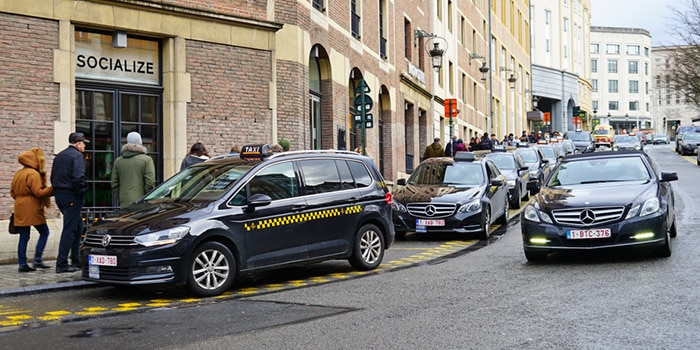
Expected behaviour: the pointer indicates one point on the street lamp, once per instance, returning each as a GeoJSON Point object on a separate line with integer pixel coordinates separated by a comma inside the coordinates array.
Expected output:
{"type": "Point", "coordinates": [627, 118]}
{"type": "Point", "coordinates": [436, 52]}
{"type": "Point", "coordinates": [595, 118]}
{"type": "Point", "coordinates": [483, 69]}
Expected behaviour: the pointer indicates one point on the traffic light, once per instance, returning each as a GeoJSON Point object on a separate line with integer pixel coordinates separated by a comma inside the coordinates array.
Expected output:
{"type": "Point", "coordinates": [664, 121]}
{"type": "Point", "coordinates": [577, 111]}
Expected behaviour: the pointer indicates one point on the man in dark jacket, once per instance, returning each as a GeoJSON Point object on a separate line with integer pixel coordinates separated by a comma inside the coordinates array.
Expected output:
{"type": "Point", "coordinates": [68, 181]}
{"type": "Point", "coordinates": [434, 150]}
{"type": "Point", "coordinates": [486, 143]}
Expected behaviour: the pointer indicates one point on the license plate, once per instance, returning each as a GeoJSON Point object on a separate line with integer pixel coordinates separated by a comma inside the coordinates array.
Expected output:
{"type": "Point", "coordinates": [588, 234]}
{"type": "Point", "coordinates": [102, 260]}
{"type": "Point", "coordinates": [424, 222]}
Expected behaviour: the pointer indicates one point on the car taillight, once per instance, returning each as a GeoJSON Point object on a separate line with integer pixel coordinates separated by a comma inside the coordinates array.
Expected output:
{"type": "Point", "coordinates": [388, 198]}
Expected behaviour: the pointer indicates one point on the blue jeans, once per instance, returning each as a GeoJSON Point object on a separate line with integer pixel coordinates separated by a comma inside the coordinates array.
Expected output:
{"type": "Point", "coordinates": [24, 242]}
{"type": "Point", "coordinates": [71, 206]}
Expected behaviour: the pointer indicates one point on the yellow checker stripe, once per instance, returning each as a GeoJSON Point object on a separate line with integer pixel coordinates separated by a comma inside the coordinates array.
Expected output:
{"type": "Point", "coordinates": [297, 218]}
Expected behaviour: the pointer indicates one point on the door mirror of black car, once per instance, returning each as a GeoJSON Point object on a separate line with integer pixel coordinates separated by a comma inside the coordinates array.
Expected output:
{"type": "Point", "coordinates": [544, 162]}
{"type": "Point", "coordinates": [401, 182]}
{"type": "Point", "coordinates": [497, 182]}
{"type": "Point", "coordinates": [668, 176]}
{"type": "Point", "coordinates": [258, 200]}
{"type": "Point", "coordinates": [524, 167]}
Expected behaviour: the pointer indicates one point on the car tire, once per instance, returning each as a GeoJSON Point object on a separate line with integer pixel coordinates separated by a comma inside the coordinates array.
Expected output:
{"type": "Point", "coordinates": [673, 230]}
{"type": "Point", "coordinates": [665, 250]}
{"type": "Point", "coordinates": [211, 270]}
{"type": "Point", "coordinates": [535, 256]}
{"type": "Point", "coordinates": [368, 248]}
{"type": "Point", "coordinates": [503, 220]}
{"type": "Point", "coordinates": [486, 223]}
{"type": "Point", "coordinates": [527, 195]}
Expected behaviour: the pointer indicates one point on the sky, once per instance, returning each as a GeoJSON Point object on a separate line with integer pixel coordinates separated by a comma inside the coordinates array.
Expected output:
{"type": "Point", "coordinates": [652, 15]}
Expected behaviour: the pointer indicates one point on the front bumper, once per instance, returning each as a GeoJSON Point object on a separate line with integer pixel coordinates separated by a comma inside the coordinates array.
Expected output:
{"type": "Point", "coordinates": [457, 223]}
{"type": "Point", "coordinates": [138, 265]}
{"type": "Point", "coordinates": [543, 237]}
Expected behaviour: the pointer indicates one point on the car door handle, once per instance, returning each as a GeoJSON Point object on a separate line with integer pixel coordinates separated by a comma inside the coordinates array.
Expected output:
{"type": "Point", "coordinates": [299, 207]}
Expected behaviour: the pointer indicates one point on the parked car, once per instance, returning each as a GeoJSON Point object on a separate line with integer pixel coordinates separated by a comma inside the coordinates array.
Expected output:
{"type": "Point", "coordinates": [538, 166]}
{"type": "Point", "coordinates": [461, 195]}
{"type": "Point", "coordinates": [583, 140]}
{"type": "Point", "coordinates": [551, 153]}
{"type": "Point", "coordinates": [680, 131]}
{"type": "Point", "coordinates": [517, 174]}
{"type": "Point", "coordinates": [218, 219]}
{"type": "Point", "coordinates": [659, 139]}
{"type": "Point", "coordinates": [626, 142]}
{"type": "Point", "coordinates": [601, 200]}
{"type": "Point", "coordinates": [688, 144]}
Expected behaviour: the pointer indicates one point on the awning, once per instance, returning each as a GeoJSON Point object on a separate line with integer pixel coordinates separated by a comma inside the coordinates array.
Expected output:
{"type": "Point", "coordinates": [535, 116]}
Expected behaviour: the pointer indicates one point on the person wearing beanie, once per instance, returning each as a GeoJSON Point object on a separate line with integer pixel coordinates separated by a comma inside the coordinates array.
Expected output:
{"type": "Point", "coordinates": [32, 196]}
{"type": "Point", "coordinates": [133, 173]}
{"type": "Point", "coordinates": [286, 144]}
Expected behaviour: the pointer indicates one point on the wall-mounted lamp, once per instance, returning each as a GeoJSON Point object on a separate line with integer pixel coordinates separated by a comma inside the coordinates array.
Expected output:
{"type": "Point", "coordinates": [483, 69]}
{"type": "Point", "coordinates": [436, 52]}
{"type": "Point", "coordinates": [119, 39]}
{"type": "Point", "coordinates": [512, 81]}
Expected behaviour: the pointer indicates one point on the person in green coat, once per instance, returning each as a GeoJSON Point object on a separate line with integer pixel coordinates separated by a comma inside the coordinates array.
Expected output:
{"type": "Point", "coordinates": [133, 173]}
{"type": "Point", "coordinates": [434, 150]}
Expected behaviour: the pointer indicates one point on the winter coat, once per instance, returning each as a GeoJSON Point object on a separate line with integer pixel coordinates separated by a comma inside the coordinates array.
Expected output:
{"type": "Point", "coordinates": [133, 174]}
{"type": "Point", "coordinates": [68, 172]}
{"type": "Point", "coordinates": [460, 147]}
{"type": "Point", "coordinates": [29, 189]}
{"type": "Point", "coordinates": [433, 150]}
{"type": "Point", "coordinates": [191, 159]}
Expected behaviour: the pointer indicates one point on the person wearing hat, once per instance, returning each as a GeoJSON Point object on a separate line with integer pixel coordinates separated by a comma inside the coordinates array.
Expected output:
{"type": "Point", "coordinates": [69, 187]}
{"type": "Point", "coordinates": [133, 173]}
{"type": "Point", "coordinates": [434, 150]}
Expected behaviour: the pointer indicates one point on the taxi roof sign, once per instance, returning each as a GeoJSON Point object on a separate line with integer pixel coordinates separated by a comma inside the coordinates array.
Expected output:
{"type": "Point", "coordinates": [464, 157]}
{"type": "Point", "coordinates": [499, 148]}
{"type": "Point", "coordinates": [255, 152]}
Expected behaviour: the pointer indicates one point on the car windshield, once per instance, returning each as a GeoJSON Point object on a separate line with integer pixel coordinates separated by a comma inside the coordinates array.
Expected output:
{"type": "Point", "coordinates": [691, 136]}
{"type": "Point", "coordinates": [595, 170]}
{"type": "Point", "coordinates": [437, 173]}
{"type": "Point", "coordinates": [503, 161]}
{"type": "Point", "coordinates": [200, 183]}
{"type": "Point", "coordinates": [548, 152]}
{"type": "Point", "coordinates": [601, 132]}
{"type": "Point", "coordinates": [528, 155]}
{"type": "Point", "coordinates": [579, 136]}
{"type": "Point", "coordinates": [624, 139]}
{"type": "Point", "coordinates": [662, 136]}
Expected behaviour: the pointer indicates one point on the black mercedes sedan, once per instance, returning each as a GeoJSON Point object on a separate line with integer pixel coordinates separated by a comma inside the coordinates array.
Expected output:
{"type": "Point", "coordinates": [461, 195]}
{"type": "Point", "coordinates": [601, 200]}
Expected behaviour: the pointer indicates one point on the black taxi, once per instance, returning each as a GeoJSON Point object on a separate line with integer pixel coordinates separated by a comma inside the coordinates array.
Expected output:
{"type": "Point", "coordinates": [218, 219]}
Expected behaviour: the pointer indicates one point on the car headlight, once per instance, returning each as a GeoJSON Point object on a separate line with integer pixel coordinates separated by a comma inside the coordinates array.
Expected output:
{"type": "Point", "coordinates": [532, 214]}
{"type": "Point", "coordinates": [533, 173]}
{"type": "Point", "coordinates": [616, 148]}
{"type": "Point", "coordinates": [651, 206]}
{"type": "Point", "coordinates": [637, 147]}
{"type": "Point", "coordinates": [396, 206]}
{"type": "Point", "coordinates": [473, 206]}
{"type": "Point", "coordinates": [511, 183]}
{"type": "Point", "coordinates": [162, 237]}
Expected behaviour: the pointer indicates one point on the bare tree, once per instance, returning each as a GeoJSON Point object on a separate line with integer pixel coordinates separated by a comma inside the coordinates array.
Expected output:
{"type": "Point", "coordinates": [685, 59]}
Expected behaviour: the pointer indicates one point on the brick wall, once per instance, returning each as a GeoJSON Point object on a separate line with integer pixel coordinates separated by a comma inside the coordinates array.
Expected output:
{"type": "Point", "coordinates": [29, 99]}
{"type": "Point", "coordinates": [230, 96]}
{"type": "Point", "coordinates": [255, 9]}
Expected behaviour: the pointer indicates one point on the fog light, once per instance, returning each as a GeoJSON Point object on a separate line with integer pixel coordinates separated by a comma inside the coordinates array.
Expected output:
{"type": "Point", "coordinates": [537, 240]}
{"type": "Point", "coordinates": [159, 269]}
{"type": "Point", "coordinates": [645, 235]}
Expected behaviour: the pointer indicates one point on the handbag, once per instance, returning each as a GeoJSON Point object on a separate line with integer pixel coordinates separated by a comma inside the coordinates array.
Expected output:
{"type": "Point", "coordinates": [12, 228]}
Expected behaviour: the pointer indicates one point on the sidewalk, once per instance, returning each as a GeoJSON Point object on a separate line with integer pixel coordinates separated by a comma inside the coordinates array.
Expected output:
{"type": "Point", "coordinates": [16, 283]}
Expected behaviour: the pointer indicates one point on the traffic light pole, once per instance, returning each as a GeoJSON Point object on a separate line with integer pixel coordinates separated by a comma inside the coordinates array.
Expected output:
{"type": "Point", "coordinates": [363, 97]}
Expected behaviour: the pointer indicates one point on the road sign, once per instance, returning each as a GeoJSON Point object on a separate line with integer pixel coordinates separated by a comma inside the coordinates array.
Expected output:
{"type": "Point", "coordinates": [358, 103]}
{"type": "Point", "coordinates": [369, 121]}
{"type": "Point", "coordinates": [359, 87]}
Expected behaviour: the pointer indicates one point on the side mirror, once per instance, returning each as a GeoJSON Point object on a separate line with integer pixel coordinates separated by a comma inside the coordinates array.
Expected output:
{"type": "Point", "coordinates": [401, 182]}
{"type": "Point", "coordinates": [497, 182]}
{"type": "Point", "coordinates": [257, 200]}
{"type": "Point", "coordinates": [668, 176]}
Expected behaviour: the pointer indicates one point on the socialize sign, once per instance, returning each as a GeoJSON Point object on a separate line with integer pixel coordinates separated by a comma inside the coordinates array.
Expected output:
{"type": "Point", "coordinates": [96, 58]}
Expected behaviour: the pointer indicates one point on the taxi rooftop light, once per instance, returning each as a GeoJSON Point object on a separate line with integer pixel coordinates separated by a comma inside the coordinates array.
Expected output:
{"type": "Point", "coordinates": [255, 152]}
{"type": "Point", "coordinates": [464, 157]}
{"type": "Point", "coordinates": [499, 148]}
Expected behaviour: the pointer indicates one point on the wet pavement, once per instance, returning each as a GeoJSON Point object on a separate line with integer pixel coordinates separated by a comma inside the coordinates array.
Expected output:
{"type": "Point", "coordinates": [13, 282]}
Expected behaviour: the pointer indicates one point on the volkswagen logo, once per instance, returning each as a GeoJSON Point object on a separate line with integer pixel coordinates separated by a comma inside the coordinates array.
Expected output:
{"type": "Point", "coordinates": [106, 239]}
{"type": "Point", "coordinates": [587, 217]}
{"type": "Point", "coordinates": [430, 210]}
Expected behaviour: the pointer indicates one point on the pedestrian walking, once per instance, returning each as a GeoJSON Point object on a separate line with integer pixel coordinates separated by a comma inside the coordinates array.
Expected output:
{"type": "Point", "coordinates": [69, 187]}
{"type": "Point", "coordinates": [133, 173]}
{"type": "Point", "coordinates": [450, 146]}
{"type": "Point", "coordinates": [198, 153]}
{"type": "Point", "coordinates": [32, 196]}
{"type": "Point", "coordinates": [434, 150]}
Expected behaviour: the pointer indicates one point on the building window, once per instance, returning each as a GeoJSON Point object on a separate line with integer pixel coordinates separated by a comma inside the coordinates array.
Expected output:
{"type": "Point", "coordinates": [595, 48]}
{"type": "Point", "coordinates": [594, 66]}
{"type": "Point", "coordinates": [612, 66]}
{"type": "Point", "coordinates": [595, 105]}
{"type": "Point", "coordinates": [354, 19]}
{"type": "Point", "coordinates": [594, 84]}
{"type": "Point", "coordinates": [547, 15]}
{"type": "Point", "coordinates": [633, 49]}
{"type": "Point", "coordinates": [407, 39]}
{"type": "Point", "coordinates": [633, 67]}
{"type": "Point", "coordinates": [382, 29]}
{"type": "Point", "coordinates": [634, 87]}
{"type": "Point", "coordinates": [612, 48]}
{"type": "Point", "coordinates": [612, 86]}
{"type": "Point", "coordinates": [613, 106]}
{"type": "Point", "coordinates": [634, 105]}
{"type": "Point", "coordinates": [319, 5]}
